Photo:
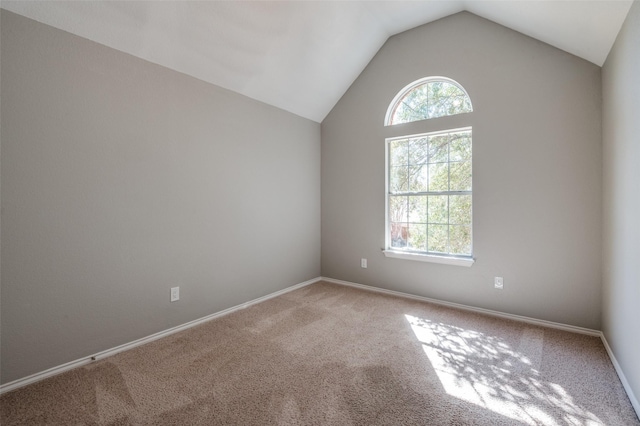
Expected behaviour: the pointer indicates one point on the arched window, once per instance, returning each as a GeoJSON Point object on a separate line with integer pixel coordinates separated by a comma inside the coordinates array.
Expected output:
{"type": "Point", "coordinates": [429, 177]}
{"type": "Point", "coordinates": [426, 98]}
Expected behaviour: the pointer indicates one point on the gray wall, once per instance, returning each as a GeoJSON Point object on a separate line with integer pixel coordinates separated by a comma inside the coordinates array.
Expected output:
{"type": "Point", "coordinates": [621, 201]}
{"type": "Point", "coordinates": [537, 172]}
{"type": "Point", "coordinates": [121, 179]}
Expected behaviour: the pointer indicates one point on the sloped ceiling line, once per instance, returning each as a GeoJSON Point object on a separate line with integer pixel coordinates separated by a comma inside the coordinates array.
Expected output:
{"type": "Point", "coordinates": [271, 50]}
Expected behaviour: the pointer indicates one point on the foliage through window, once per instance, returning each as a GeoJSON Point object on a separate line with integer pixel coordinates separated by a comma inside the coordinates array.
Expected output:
{"type": "Point", "coordinates": [428, 98]}
{"type": "Point", "coordinates": [429, 179]}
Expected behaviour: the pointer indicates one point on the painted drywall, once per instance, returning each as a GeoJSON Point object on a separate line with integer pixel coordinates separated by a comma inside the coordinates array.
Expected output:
{"type": "Point", "coordinates": [536, 172]}
{"type": "Point", "coordinates": [121, 179]}
{"type": "Point", "coordinates": [621, 198]}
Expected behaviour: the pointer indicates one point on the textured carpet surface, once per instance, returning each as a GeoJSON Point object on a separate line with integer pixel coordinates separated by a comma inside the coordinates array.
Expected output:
{"type": "Point", "coordinates": [333, 355]}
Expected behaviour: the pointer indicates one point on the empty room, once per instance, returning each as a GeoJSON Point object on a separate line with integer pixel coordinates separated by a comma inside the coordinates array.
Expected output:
{"type": "Point", "coordinates": [320, 212]}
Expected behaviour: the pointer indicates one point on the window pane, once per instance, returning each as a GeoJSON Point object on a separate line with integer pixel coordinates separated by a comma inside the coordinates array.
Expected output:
{"type": "Point", "coordinates": [460, 209]}
{"type": "Point", "coordinates": [445, 98]}
{"type": "Point", "coordinates": [398, 208]}
{"type": "Point", "coordinates": [439, 177]}
{"type": "Point", "coordinates": [439, 149]}
{"type": "Point", "coordinates": [460, 147]}
{"type": "Point", "coordinates": [430, 99]}
{"type": "Point", "coordinates": [437, 238]}
{"type": "Point", "coordinates": [460, 176]}
{"type": "Point", "coordinates": [418, 151]}
{"type": "Point", "coordinates": [417, 236]}
{"type": "Point", "coordinates": [398, 152]}
{"type": "Point", "coordinates": [418, 178]}
{"type": "Point", "coordinates": [418, 209]}
{"type": "Point", "coordinates": [438, 209]}
{"type": "Point", "coordinates": [412, 107]}
{"type": "Point", "coordinates": [398, 179]}
{"type": "Point", "coordinates": [399, 234]}
{"type": "Point", "coordinates": [460, 239]}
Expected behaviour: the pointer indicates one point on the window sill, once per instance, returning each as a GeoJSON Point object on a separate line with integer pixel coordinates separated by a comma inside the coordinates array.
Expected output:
{"type": "Point", "coordinates": [446, 260]}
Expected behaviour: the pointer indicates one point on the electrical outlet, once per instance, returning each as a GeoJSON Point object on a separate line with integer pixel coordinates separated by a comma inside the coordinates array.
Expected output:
{"type": "Point", "coordinates": [498, 283]}
{"type": "Point", "coordinates": [363, 263]}
{"type": "Point", "coordinates": [175, 293]}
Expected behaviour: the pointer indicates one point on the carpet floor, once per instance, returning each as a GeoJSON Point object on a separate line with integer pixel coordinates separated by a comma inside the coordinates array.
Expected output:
{"type": "Point", "coordinates": [332, 355]}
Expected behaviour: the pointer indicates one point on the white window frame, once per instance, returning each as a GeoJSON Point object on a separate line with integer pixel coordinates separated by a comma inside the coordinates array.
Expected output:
{"type": "Point", "coordinates": [390, 252]}
{"type": "Point", "coordinates": [409, 87]}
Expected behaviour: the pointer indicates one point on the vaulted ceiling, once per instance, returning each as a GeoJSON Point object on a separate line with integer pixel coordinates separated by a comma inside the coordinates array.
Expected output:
{"type": "Point", "coordinates": [302, 56]}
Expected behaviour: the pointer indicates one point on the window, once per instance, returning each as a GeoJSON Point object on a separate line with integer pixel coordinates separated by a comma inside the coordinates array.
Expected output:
{"type": "Point", "coordinates": [429, 177]}
{"type": "Point", "coordinates": [429, 97]}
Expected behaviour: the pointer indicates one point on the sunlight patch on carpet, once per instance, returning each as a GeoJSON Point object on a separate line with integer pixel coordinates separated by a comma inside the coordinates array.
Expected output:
{"type": "Point", "coordinates": [486, 371]}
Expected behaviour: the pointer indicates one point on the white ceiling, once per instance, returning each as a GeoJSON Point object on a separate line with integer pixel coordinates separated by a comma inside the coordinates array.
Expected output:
{"type": "Point", "coordinates": [302, 56]}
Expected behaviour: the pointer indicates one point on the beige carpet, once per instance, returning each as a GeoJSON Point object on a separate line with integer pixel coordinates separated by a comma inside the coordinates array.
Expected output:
{"type": "Point", "coordinates": [332, 355]}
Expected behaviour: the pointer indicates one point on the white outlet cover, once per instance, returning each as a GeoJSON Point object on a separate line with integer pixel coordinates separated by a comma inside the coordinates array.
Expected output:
{"type": "Point", "coordinates": [175, 293]}
{"type": "Point", "coordinates": [498, 282]}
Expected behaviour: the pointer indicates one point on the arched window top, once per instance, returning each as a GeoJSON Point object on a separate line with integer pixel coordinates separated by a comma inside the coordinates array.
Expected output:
{"type": "Point", "coordinates": [426, 98]}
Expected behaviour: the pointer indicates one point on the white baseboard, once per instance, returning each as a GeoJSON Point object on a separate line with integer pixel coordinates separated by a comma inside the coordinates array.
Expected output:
{"type": "Point", "coordinates": [623, 378]}
{"type": "Point", "coordinates": [533, 321]}
{"type": "Point", "coordinates": [100, 355]}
